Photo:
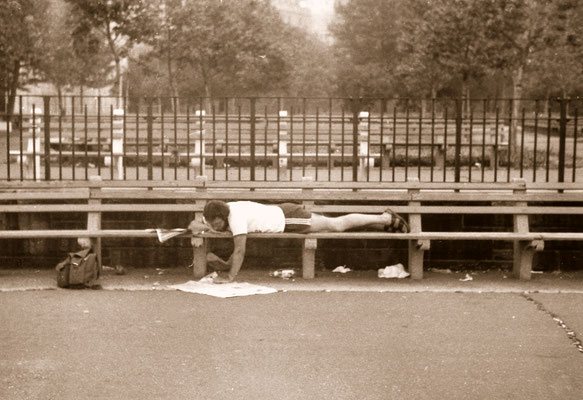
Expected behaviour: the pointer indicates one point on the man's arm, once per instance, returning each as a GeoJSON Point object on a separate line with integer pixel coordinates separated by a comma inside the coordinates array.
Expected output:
{"type": "Point", "coordinates": [197, 226]}
{"type": "Point", "coordinates": [236, 259]}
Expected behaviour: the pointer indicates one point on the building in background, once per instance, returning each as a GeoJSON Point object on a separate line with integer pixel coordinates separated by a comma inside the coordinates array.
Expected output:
{"type": "Point", "coordinates": [310, 15]}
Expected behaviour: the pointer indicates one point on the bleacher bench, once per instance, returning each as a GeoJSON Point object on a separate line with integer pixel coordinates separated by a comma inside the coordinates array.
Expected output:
{"type": "Point", "coordinates": [413, 199]}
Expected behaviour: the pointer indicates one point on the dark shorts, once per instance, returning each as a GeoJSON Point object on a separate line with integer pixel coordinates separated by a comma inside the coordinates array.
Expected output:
{"type": "Point", "coordinates": [297, 218]}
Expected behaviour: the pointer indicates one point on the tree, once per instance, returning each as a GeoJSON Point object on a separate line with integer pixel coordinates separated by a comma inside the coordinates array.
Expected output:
{"type": "Point", "coordinates": [311, 64]}
{"type": "Point", "coordinates": [19, 35]}
{"type": "Point", "coordinates": [111, 19]}
{"type": "Point", "coordinates": [366, 34]}
{"type": "Point", "coordinates": [214, 48]}
{"type": "Point", "coordinates": [558, 62]}
{"type": "Point", "coordinates": [420, 67]}
{"type": "Point", "coordinates": [69, 56]}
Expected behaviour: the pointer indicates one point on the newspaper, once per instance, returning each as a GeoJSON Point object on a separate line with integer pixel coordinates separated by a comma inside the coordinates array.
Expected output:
{"type": "Point", "coordinates": [166, 234]}
{"type": "Point", "coordinates": [224, 290]}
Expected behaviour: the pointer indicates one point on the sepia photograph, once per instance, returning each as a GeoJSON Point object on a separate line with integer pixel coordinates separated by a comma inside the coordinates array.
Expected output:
{"type": "Point", "coordinates": [291, 199]}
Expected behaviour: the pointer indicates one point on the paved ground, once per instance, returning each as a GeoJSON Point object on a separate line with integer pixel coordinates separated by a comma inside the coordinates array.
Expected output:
{"type": "Point", "coordinates": [348, 336]}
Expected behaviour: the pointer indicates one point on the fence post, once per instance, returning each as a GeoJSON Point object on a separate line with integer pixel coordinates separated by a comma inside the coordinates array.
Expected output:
{"type": "Point", "coordinates": [283, 140]}
{"type": "Point", "coordinates": [562, 138]}
{"type": "Point", "coordinates": [363, 139]}
{"type": "Point", "coordinates": [458, 138]}
{"type": "Point", "coordinates": [117, 143]}
{"type": "Point", "coordinates": [47, 136]}
{"type": "Point", "coordinates": [150, 123]}
{"type": "Point", "coordinates": [355, 122]}
{"type": "Point", "coordinates": [252, 102]}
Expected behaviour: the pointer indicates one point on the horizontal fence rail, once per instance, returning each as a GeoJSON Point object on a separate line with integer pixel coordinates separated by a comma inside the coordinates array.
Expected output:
{"type": "Point", "coordinates": [279, 139]}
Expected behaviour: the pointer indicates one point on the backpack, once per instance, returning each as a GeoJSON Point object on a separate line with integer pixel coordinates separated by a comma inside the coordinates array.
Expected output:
{"type": "Point", "coordinates": [80, 269]}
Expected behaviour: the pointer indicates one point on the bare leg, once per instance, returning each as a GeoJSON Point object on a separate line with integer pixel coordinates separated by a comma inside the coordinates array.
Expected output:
{"type": "Point", "coordinates": [342, 223]}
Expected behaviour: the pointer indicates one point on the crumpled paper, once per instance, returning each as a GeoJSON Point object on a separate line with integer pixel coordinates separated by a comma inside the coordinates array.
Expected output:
{"type": "Point", "coordinates": [393, 271]}
{"type": "Point", "coordinates": [210, 278]}
{"type": "Point", "coordinates": [341, 269]}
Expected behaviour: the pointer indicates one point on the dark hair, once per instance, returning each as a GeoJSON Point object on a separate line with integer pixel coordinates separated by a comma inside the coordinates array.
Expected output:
{"type": "Point", "coordinates": [216, 209]}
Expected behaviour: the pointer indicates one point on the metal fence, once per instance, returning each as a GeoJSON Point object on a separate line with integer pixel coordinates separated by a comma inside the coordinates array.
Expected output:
{"type": "Point", "coordinates": [271, 139]}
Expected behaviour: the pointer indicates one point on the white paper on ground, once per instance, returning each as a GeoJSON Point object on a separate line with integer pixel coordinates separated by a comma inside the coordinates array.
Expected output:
{"type": "Point", "coordinates": [224, 290]}
{"type": "Point", "coordinates": [393, 271]}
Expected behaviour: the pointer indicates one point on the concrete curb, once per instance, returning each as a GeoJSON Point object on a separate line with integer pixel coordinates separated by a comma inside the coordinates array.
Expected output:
{"type": "Point", "coordinates": [495, 281]}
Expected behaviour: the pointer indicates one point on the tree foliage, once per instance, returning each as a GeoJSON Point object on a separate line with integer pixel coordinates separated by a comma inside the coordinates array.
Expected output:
{"type": "Point", "coordinates": [243, 48]}
{"type": "Point", "coordinates": [20, 22]}
{"type": "Point", "coordinates": [366, 33]}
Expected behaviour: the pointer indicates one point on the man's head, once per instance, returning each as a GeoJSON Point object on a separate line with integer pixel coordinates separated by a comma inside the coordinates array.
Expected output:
{"type": "Point", "coordinates": [216, 215]}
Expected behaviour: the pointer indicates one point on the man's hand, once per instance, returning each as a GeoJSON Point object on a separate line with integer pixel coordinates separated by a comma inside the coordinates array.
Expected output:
{"type": "Point", "coordinates": [223, 278]}
{"type": "Point", "coordinates": [198, 227]}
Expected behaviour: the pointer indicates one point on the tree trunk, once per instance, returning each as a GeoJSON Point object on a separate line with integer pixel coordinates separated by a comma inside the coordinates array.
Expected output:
{"type": "Point", "coordinates": [117, 60]}
{"type": "Point", "coordinates": [464, 91]}
{"type": "Point", "coordinates": [13, 87]}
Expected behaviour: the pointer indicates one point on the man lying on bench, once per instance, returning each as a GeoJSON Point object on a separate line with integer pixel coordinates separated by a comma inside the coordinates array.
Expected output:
{"type": "Point", "coordinates": [243, 217]}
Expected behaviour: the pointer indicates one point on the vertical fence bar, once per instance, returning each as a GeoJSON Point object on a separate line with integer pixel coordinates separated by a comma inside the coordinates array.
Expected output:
{"type": "Point", "coordinates": [47, 136]}
{"type": "Point", "coordinates": [214, 138]}
{"type": "Point", "coordinates": [355, 114]}
{"type": "Point", "coordinates": [240, 138]}
{"type": "Point", "coordinates": [226, 139]}
{"type": "Point", "coordinates": [510, 140]}
{"type": "Point", "coordinates": [317, 140]}
{"type": "Point", "coordinates": [549, 129]}
{"type": "Point", "coordinates": [124, 136]}
{"type": "Point", "coordinates": [445, 145]}
{"type": "Point", "coordinates": [458, 138]}
{"type": "Point", "coordinates": [432, 139]}
{"type": "Point", "coordinates": [162, 141]}
{"type": "Point", "coordinates": [406, 140]}
{"type": "Point", "coordinates": [150, 137]}
{"type": "Point", "coordinates": [471, 142]}
{"type": "Point", "coordinates": [496, 138]}
{"type": "Point", "coordinates": [21, 139]}
{"type": "Point", "coordinates": [536, 111]}
{"type": "Point", "coordinates": [484, 121]}
{"type": "Point", "coordinates": [265, 144]}
{"type": "Point", "coordinates": [201, 112]}
{"type": "Point", "coordinates": [369, 133]}
{"type": "Point", "coordinates": [176, 146]}
{"type": "Point", "coordinates": [303, 137]}
{"type": "Point", "coordinates": [111, 162]}
{"type": "Point", "coordinates": [330, 159]}
{"type": "Point", "coordinates": [86, 144]}
{"type": "Point", "coordinates": [34, 126]}
{"type": "Point", "coordinates": [562, 137]}
{"type": "Point", "coordinates": [342, 141]}
{"type": "Point", "coordinates": [291, 144]}
{"type": "Point", "coordinates": [394, 149]}
{"type": "Point", "coordinates": [60, 127]}
{"type": "Point", "coordinates": [73, 117]}
{"type": "Point", "coordinates": [382, 139]}
{"type": "Point", "coordinates": [575, 116]}
{"type": "Point", "coordinates": [7, 115]}
{"type": "Point", "coordinates": [138, 138]}
{"type": "Point", "coordinates": [522, 144]}
{"type": "Point", "coordinates": [252, 104]}
{"type": "Point", "coordinates": [420, 140]}
{"type": "Point", "coordinates": [99, 135]}
{"type": "Point", "coordinates": [278, 149]}
{"type": "Point", "coordinates": [188, 163]}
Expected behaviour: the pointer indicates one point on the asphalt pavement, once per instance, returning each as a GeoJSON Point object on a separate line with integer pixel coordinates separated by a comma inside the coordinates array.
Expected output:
{"type": "Point", "coordinates": [339, 336]}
